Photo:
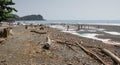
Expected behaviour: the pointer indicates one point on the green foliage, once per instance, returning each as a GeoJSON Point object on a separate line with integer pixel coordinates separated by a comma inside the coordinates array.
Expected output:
{"type": "Point", "coordinates": [6, 9]}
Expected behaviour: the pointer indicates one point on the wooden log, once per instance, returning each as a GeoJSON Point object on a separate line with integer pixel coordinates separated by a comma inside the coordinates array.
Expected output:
{"type": "Point", "coordinates": [46, 46]}
{"type": "Point", "coordinates": [39, 32]}
{"type": "Point", "coordinates": [5, 32]}
{"type": "Point", "coordinates": [113, 56]}
{"type": "Point", "coordinates": [67, 44]}
{"type": "Point", "coordinates": [11, 32]}
{"type": "Point", "coordinates": [41, 28]}
{"type": "Point", "coordinates": [90, 53]}
{"type": "Point", "coordinates": [1, 33]}
{"type": "Point", "coordinates": [70, 47]}
{"type": "Point", "coordinates": [64, 42]}
{"type": "Point", "coordinates": [49, 41]}
{"type": "Point", "coordinates": [2, 39]}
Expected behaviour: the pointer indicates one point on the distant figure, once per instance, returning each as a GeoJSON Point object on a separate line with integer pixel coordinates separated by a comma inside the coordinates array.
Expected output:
{"type": "Point", "coordinates": [78, 27]}
{"type": "Point", "coordinates": [67, 27]}
{"type": "Point", "coordinates": [81, 26]}
{"type": "Point", "coordinates": [26, 27]}
{"type": "Point", "coordinates": [98, 26]}
{"type": "Point", "coordinates": [18, 23]}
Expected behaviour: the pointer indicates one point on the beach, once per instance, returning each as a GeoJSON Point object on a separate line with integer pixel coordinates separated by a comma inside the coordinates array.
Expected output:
{"type": "Point", "coordinates": [28, 46]}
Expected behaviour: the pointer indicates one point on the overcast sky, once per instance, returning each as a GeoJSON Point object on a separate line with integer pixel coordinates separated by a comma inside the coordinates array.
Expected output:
{"type": "Point", "coordinates": [70, 9]}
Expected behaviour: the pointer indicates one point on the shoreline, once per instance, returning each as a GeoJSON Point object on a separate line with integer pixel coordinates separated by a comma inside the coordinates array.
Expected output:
{"type": "Point", "coordinates": [106, 34]}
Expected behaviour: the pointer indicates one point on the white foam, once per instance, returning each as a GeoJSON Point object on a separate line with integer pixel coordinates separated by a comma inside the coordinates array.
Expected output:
{"type": "Point", "coordinates": [91, 30]}
{"type": "Point", "coordinates": [72, 32]}
{"type": "Point", "coordinates": [101, 29]}
{"type": "Point", "coordinates": [93, 36]}
{"type": "Point", "coordinates": [113, 33]}
{"type": "Point", "coordinates": [58, 27]}
{"type": "Point", "coordinates": [81, 30]}
{"type": "Point", "coordinates": [87, 35]}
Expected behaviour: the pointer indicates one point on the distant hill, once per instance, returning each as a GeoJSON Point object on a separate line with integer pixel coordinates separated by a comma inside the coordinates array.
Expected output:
{"type": "Point", "coordinates": [30, 18]}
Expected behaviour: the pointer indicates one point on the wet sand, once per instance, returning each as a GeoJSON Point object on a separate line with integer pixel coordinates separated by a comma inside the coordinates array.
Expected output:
{"type": "Point", "coordinates": [26, 48]}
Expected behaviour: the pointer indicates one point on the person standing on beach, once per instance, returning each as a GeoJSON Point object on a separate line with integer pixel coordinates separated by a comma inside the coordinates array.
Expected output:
{"type": "Point", "coordinates": [67, 27]}
{"type": "Point", "coordinates": [78, 27]}
{"type": "Point", "coordinates": [26, 27]}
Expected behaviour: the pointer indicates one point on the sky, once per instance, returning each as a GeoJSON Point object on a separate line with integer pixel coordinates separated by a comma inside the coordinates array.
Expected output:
{"type": "Point", "coordinates": [70, 9]}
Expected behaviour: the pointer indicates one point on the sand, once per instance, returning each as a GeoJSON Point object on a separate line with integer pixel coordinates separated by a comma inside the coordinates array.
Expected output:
{"type": "Point", "coordinates": [26, 48]}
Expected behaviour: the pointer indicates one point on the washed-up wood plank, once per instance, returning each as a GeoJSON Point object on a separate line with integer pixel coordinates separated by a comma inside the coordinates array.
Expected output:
{"type": "Point", "coordinates": [90, 53]}
{"type": "Point", "coordinates": [39, 32]}
{"type": "Point", "coordinates": [113, 56]}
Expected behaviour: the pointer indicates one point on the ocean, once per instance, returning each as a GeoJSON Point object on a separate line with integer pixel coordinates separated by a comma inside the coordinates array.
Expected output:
{"type": "Point", "coordinates": [96, 22]}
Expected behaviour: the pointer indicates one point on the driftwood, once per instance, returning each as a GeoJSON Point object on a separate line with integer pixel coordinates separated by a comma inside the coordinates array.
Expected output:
{"type": "Point", "coordinates": [113, 56]}
{"type": "Point", "coordinates": [41, 28]}
{"type": "Point", "coordinates": [90, 53]}
{"type": "Point", "coordinates": [49, 41]}
{"type": "Point", "coordinates": [39, 32]}
{"type": "Point", "coordinates": [2, 39]}
{"type": "Point", "coordinates": [5, 32]}
{"type": "Point", "coordinates": [64, 42]}
{"type": "Point", "coordinates": [10, 31]}
{"type": "Point", "coordinates": [67, 44]}
{"type": "Point", "coordinates": [46, 46]}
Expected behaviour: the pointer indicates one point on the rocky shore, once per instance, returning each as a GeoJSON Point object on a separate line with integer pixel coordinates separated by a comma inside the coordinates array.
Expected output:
{"type": "Point", "coordinates": [42, 45]}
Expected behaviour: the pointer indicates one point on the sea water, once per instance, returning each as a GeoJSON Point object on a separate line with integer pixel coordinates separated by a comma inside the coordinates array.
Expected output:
{"type": "Point", "coordinates": [95, 22]}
